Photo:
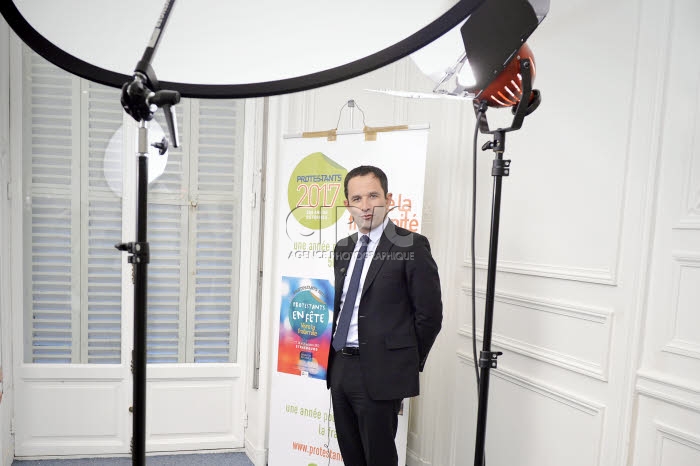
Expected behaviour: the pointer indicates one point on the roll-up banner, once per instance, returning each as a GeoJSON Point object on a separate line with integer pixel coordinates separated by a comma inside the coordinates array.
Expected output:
{"type": "Point", "coordinates": [311, 219]}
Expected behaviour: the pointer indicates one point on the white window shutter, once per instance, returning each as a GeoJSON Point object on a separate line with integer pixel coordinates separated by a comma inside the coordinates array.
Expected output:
{"type": "Point", "coordinates": [102, 224]}
{"type": "Point", "coordinates": [52, 310]}
{"type": "Point", "coordinates": [74, 315]}
{"type": "Point", "coordinates": [167, 236]}
{"type": "Point", "coordinates": [215, 286]}
{"type": "Point", "coordinates": [50, 317]}
{"type": "Point", "coordinates": [73, 306]}
{"type": "Point", "coordinates": [215, 231]}
{"type": "Point", "coordinates": [194, 225]}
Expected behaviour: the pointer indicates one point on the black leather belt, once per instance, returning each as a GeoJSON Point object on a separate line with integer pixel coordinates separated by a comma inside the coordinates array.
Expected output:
{"type": "Point", "coordinates": [350, 351]}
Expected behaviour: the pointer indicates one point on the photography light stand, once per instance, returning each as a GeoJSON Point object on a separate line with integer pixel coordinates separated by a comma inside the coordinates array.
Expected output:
{"type": "Point", "coordinates": [141, 98]}
{"type": "Point", "coordinates": [488, 359]}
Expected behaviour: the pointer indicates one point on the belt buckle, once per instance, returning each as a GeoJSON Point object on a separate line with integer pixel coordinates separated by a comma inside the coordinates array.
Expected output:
{"type": "Point", "coordinates": [350, 351]}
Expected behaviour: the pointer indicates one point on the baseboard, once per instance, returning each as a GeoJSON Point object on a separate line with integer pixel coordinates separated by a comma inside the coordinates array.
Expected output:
{"type": "Point", "coordinates": [257, 455]}
{"type": "Point", "coordinates": [412, 459]}
{"type": "Point", "coordinates": [7, 447]}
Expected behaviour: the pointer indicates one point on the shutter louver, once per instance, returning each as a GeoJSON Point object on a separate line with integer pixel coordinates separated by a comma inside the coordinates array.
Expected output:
{"type": "Point", "coordinates": [218, 153]}
{"type": "Point", "coordinates": [51, 125]}
{"type": "Point", "coordinates": [217, 229]}
{"type": "Point", "coordinates": [104, 283]}
{"type": "Point", "coordinates": [167, 236]}
{"type": "Point", "coordinates": [213, 283]}
{"type": "Point", "coordinates": [52, 272]}
{"type": "Point", "coordinates": [166, 293]}
{"type": "Point", "coordinates": [104, 220]}
{"type": "Point", "coordinates": [74, 176]}
{"type": "Point", "coordinates": [54, 284]}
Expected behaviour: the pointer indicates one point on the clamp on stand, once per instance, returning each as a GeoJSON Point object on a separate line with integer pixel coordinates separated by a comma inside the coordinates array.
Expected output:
{"type": "Point", "coordinates": [489, 359]}
{"type": "Point", "coordinates": [140, 252]}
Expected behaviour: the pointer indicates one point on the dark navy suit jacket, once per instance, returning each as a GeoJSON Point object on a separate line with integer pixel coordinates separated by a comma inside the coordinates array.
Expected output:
{"type": "Point", "coordinates": [400, 311]}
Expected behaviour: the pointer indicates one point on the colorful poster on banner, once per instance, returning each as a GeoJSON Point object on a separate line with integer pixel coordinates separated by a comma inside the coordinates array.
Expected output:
{"type": "Point", "coordinates": [311, 220]}
{"type": "Point", "coordinates": [306, 316]}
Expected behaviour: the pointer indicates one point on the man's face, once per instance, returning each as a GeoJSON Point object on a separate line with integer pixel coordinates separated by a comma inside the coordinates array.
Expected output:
{"type": "Point", "coordinates": [367, 202]}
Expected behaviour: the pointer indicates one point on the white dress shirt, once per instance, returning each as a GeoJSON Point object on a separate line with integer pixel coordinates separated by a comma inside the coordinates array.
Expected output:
{"type": "Point", "coordinates": [374, 236]}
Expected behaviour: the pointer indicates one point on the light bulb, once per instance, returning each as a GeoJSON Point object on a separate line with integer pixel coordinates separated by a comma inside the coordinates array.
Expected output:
{"type": "Point", "coordinates": [465, 77]}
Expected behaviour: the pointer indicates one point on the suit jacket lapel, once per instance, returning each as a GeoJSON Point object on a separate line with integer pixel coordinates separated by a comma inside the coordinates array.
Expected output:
{"type": "Point", "coordinates": [386, 242]}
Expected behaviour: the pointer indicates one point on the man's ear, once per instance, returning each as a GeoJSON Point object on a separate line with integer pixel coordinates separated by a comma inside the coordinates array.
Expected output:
{"type": "Point", "coordinates": [346, 203]}
{"type": "Point", "coordinates": [388, 198]}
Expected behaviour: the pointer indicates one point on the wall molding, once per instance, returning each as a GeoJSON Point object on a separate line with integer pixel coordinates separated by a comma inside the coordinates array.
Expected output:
{"type": "Point", "coordinates": [413, 459]}
{"type": "Point", "coordinates": [688, 223]}
{"type": "Point", "coordinates": [682, 348]}
{"type": "Point", "coordinates": [668, 390]}
{"type": "Point", "coordinates": [596, 370]}
{"type": "Point", "coordinates": [679, 346]}
{"type": "Point", "coordinates": [587, 368]}
{"type": "Point", "coordinates": [605, 276]}
{"type": "Point", "coordinates": [591, 408]}
{"type": "Point", "coordinates": [580, 404]}
{"type": "Point", "coordinates": [574, 311]}
{"type": "Point", "coordinates": [690, 197]}
{"type": "Point", "coordinates": [688, 258]}
{"type": "Point", "coordinates": [666, 432]}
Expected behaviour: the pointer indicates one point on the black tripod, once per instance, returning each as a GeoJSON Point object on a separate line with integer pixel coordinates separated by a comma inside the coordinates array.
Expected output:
{"type": "Point", "coordinates": [141, 98]}
{"type": "Point", "coordinates": [529, 102]}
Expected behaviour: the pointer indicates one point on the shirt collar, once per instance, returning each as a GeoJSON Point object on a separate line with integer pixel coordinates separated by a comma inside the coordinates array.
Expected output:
{"type": "Point", "coordinates": [376, 232]}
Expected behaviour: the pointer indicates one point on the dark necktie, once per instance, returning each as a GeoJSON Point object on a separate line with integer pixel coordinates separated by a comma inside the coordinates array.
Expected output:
{"type": "Point", "coordinates": [341, 332]}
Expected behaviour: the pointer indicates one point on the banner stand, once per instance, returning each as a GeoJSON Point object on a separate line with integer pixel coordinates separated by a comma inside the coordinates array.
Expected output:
{"type": "Point", "coordinates": [311, 219]}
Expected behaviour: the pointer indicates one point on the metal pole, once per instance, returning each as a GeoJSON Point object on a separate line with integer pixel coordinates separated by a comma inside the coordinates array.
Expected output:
{"type": "Point", "coordinates": [488, 359]}
{"type": "Point", "coordinates": [140, 262]}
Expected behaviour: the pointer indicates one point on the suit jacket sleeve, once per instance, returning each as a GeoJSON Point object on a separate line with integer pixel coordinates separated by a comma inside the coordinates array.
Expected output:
{"type": "Point", "coordinates": [424, 290]}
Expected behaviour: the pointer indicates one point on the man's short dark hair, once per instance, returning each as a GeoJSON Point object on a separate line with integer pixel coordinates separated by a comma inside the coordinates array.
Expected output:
{"type": "Point", "coordinates": [363, 170]}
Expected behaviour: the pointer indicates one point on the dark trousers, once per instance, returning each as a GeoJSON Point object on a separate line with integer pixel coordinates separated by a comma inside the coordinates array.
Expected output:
{"type": "Point", "coordinates": [366, 428]}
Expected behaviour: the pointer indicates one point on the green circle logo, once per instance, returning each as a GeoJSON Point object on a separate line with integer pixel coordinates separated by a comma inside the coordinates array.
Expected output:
{"type": "Point", "coordinates": [315, 192]}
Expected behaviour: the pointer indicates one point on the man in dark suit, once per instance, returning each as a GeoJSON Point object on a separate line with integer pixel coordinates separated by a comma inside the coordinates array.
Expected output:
{"type": "Point", "coordinates": [388, 314]}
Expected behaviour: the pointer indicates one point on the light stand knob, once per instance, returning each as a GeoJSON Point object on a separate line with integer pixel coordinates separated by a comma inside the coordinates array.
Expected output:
{"type": "Point", "coordinates": [162, 146]}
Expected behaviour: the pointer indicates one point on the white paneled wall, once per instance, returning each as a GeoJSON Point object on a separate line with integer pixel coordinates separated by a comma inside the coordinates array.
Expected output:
{"type": "Point", "coordinates": [668, 416]}
{"type": "Point", "coordinates": [599, 262]}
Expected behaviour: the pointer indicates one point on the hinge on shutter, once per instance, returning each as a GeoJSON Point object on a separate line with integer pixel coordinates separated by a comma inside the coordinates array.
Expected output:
{"type": "Point", "coordinates": [9, 191]}
{"type": "Point", "coordinates": [254, 201]}
{"type": "Point", "coordinates": [12, 426]}
{"type": "Point", "coordinates": [245, 420]}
